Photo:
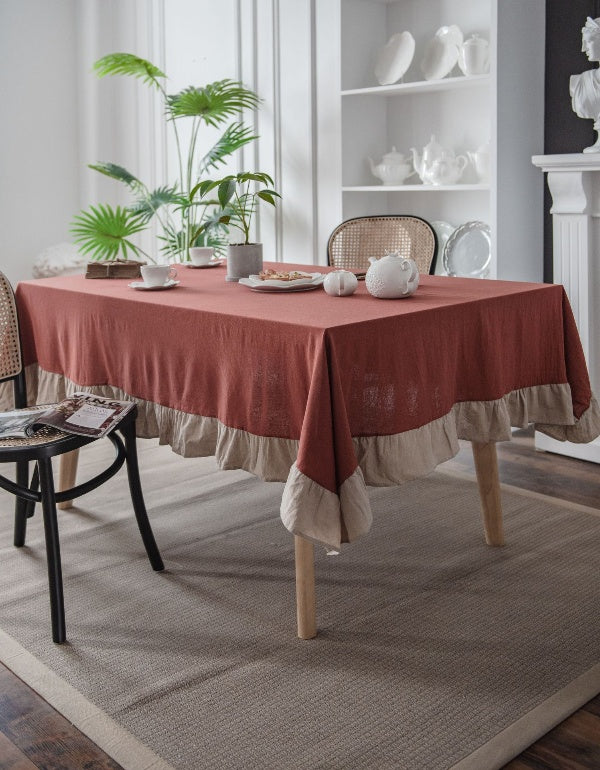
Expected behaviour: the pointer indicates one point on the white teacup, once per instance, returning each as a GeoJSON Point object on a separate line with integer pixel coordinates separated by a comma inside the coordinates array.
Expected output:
{"type": "Point", "coordinates": [201, 255]}
{"type": "Point", "coordinates": [157, 275]}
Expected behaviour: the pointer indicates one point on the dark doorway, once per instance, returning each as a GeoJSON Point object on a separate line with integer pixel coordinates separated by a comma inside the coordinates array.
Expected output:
{"type": "Point", "coordinates": [564, 132]}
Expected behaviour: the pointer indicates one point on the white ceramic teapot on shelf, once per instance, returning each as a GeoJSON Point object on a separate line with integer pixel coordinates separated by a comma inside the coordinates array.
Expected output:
{"type": "Point", "coordinates": [447, 169]}
{"type": "Point", "coordinates": [481, 162]}
{"type": "Point", "coordinates": [393, 169]}
{"type": "Point", "coordinates": [438, 165]}
{"type": "Point", "coordinates": [474, 56]}
{"type": "Point", "coordinates": [392, 277]}
{"type": "Point", "coordinates": [423, 161]}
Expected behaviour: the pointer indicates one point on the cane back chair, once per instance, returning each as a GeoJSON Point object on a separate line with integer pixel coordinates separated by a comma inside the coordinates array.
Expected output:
{"type": "Point", "coordinates": [352, 242]}
{"type": "Point", "coordinates": [40, 449]}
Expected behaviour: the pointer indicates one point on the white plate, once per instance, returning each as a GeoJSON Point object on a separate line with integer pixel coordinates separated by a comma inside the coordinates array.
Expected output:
{"type": "Point", "coordinates": [283, 288]}
{"type": "Point", "coordinates": [443, 230]}
{"type": "Point", "coordinates": [310, 278]}
{"type": "Point", "coordinates": [395, 58]}
{"type": "Point", "coordinates": [468, 251]}
{"type": "Point", "coordinates": [452, 33]}
{"type": "Point", "coordinates": [141, 286]}
{"type": "Point", "coordinates": [441, 54]}
{"type": "Point", "coordinates": [214, 263]}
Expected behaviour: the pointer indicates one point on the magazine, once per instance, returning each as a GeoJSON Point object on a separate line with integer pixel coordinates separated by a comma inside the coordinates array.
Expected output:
{"type": "Point", "coordinates": [81, 413]}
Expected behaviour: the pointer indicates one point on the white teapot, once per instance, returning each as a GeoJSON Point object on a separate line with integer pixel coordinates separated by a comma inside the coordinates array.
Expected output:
{"type": "Point", "coordinates": [446, 169]}
{"type": "Point", "coordinates": [438, 165]}
{"type": "Point", "coordinates": [393, 169]}
{"type": "Point", "coordinates": [424, 161]}
{"type": "Point", "coordinates": [340, 283]}
{"type": "Point", "coordinates": [392, 277]}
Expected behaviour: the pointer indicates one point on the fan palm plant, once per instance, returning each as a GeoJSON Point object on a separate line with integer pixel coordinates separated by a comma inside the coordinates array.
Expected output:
{"type": "Point", "coordinates": [104, 232]}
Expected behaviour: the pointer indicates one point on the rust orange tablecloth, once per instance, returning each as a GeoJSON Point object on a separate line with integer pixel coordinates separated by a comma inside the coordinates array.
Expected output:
{"type": "Point", "coordinates": [325, 393]}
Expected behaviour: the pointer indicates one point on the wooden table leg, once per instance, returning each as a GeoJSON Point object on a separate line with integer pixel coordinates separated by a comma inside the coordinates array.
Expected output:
{"type": "Point", "coordinates": [67, 473]}
{"type": "Point", "coordinates": [486, 466]}
{"type": "Point", "coordinates": [305, 588]}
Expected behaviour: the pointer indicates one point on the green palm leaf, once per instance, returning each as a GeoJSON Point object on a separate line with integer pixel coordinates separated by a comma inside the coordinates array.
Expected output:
{"type": "Point", "coordinates": [103, 231]}
{"type": "Point", "coordinates": [214, 103]}
{"type": "Point", "coordinates": [173, 241]}
{"type": "Point", "coordinates": [128, 64]}
{"type": "Point", "coordinates": [235, 136]}
{"type": "Point", "coordinates": [149, 204]}
{"type": "Point", "coordinates": [116, 172]}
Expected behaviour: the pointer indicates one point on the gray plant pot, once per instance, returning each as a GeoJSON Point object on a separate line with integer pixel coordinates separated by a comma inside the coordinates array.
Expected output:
{"type": "Point", "coordinates": [243, 260]}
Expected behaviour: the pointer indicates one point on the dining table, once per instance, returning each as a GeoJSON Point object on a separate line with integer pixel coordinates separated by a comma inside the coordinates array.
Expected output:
{"type": "Point", "coordinates": [327, 394]}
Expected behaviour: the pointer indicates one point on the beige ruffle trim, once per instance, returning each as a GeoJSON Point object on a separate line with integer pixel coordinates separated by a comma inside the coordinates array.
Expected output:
{"type": "Point", "coordinates": [308, 509]}
{"type": "Point", "coordinates": [189, 435]}
{"type": "Point", "coordinates": [388, 460]}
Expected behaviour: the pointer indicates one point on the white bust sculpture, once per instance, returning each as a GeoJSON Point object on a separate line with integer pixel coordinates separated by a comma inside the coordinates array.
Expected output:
{"type": "Point", "coordinates": [585, 88]}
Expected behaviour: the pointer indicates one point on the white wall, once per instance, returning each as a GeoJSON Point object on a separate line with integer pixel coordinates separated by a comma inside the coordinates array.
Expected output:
{"type": "Point", "coordinates": [38, 129]}
{"type": "Point", "coordinates": [272, 47]}
{"type": "Point", "coordinates": [58, 116]}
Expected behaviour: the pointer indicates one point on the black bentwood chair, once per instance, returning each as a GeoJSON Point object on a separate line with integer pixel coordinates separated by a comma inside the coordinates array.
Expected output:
{"type": "Point", "coordinates": [41, 448]}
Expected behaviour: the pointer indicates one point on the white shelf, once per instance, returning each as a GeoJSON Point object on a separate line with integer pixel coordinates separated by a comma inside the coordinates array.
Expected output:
{"type": "Point", "coordinates": [417, 188]}
{"type": "Point", "coordinates": [421, 86]}
{"type": "Point", "coordinates": [502, 109]}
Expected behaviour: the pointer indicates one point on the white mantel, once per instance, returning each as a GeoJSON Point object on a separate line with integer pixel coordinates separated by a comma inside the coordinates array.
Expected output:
{"type": "Point", "coordinates": [574, 183]}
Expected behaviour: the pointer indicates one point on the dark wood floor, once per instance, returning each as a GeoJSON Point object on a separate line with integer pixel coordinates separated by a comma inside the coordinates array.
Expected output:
{"type": "Point", "coordinates": [33, 735]}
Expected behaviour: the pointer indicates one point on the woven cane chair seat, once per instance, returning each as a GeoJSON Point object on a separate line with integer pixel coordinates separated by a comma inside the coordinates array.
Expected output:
{"type": "Point", "coordinates": [10, 348]}
{"type": "Point", "coordinates": [352, 243]}
{"type": "Point", "coordinates": [45, 435]}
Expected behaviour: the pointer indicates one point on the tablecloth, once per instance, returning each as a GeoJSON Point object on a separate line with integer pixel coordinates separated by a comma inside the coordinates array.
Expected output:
{"type": "Point", "coordinates": [328, 394]}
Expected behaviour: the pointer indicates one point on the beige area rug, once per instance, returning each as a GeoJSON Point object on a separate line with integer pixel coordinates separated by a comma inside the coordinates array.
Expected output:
{"type": "Point", "coordinates": [434, 651]}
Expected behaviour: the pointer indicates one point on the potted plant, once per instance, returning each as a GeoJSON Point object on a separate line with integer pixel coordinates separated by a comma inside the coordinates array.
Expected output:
{"type": "Point", "coordinates": [105, 232]}
{"type": "Point", "coordinates": [238, 195]}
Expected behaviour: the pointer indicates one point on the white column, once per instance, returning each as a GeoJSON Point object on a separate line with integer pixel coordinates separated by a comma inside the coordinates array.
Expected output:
{"type": "Point", "coordinates": [574, 182]}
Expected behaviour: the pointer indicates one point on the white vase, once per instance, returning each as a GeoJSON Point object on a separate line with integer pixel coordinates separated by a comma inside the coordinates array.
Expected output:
{"type": "Point", "coordinates": [243, 260]}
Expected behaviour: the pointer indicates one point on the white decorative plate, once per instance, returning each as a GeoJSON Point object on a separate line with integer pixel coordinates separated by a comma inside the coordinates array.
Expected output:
{"type": "Point", "coordinates": [468, 251]}
{"type": "Point", "coordinates": [141, 286]}
{"type": "Point", "coordinates": [441, 54]}
{"type": "Point", "coordinates": [307, 279]}
{"type": "Point", "coordinates": [452, 33]}
{"type": "Point", "coordinates": [395, 58]}
{"type": "Point", "coordinates": [283, 289]}
{"type": "Point", "coordinates": [443, 230]}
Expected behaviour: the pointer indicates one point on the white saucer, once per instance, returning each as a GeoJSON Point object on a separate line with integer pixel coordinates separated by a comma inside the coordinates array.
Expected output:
{"type": "Point", "coordinates": [142, 286]}
{"type": "Point", "coordinates": [213, 263]}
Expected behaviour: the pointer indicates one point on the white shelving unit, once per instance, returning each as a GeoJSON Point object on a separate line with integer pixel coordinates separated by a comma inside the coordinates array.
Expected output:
{"type": "Point", "coordinates": [504, 107]}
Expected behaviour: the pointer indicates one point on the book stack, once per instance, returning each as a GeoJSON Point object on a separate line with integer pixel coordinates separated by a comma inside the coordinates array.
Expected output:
{"type": "Point", "coordinates": [116, 268]}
